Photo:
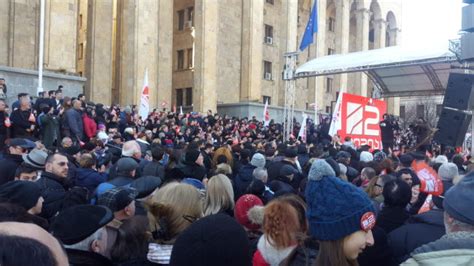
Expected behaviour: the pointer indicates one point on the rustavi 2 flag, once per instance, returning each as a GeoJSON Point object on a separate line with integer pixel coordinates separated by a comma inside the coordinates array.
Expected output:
{"type": "Point", "coordinates": [266, 115]}
{"type": "Point", "coordinates": [145, 98]}
{"type": "Point", "coordinates": [311, 27]}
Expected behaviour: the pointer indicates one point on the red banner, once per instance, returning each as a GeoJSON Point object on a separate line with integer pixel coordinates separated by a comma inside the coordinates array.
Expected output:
{"type": "Point", "coordinates": [360, 117]}
{"type": "Point", "coordinates": [429, 180]}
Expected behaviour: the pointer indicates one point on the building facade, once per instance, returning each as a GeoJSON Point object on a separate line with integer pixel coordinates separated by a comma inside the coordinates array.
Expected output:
{"type": "Point", "coordinates": [198, 53]}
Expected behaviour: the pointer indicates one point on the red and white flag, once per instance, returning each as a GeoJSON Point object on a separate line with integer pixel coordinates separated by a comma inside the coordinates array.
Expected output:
{"type": "Point", "coordinates": [302, 132]}
{"type": "Point", "coordinates": [145, 98]}
{"type": "Point", "coordinates": [266, 115]}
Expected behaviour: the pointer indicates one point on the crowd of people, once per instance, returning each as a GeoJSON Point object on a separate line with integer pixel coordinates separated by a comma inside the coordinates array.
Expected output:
{"type": "Point", "coordinates": [87, 184]}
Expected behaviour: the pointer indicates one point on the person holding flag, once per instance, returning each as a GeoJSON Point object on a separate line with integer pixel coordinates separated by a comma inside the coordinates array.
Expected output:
{"type": "Point", "coordinates": [266, 115]}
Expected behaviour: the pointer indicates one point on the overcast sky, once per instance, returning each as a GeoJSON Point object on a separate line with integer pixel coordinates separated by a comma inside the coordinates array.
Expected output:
{"type": "Point", "coordinates": [430, 22]}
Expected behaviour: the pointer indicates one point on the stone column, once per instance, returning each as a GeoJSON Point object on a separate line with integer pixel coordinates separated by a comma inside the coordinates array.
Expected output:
{"type": "Point", "coordinates": [252, 48]}
{"type": "Point", "coordinates": [342, 35]}
{"type": "Point", "coordinates": [24, 33]}
{"type": "Point", "coordinates": [362, 17]}
{"type": "Point", "coordinates": [205, 73]}
{"type": "Point", "coordinates": [138, 49]}
{"type": "Point", "coordinates": [5, 33]}
{"type": "Point", "coordinates": [380, 27]}
{"type": "Point", "coordinates": [98, 65]}
{"type": "Point", "coordinates": [394, 36]}
{"type": "Point", "coordinates": [165, 54]}
{"type": "Point", "coordinates": [60, 38]}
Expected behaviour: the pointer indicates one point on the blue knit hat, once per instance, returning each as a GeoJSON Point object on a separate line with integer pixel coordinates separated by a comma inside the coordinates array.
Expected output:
{"type": "Point", "coordinates": [336, 208]}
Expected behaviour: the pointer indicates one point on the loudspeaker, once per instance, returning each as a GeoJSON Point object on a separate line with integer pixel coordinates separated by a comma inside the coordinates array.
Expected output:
{"type": "Point", "coordinates": [452, 127]}
{"type": "Point", "coordinates": [458, 93]}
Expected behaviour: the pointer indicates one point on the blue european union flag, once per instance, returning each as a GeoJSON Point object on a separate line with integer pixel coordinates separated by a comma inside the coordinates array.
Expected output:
{"type": "Point", "coordinates": [311, 27]}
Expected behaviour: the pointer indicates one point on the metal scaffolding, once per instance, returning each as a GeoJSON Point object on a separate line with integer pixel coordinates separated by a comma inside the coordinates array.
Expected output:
{"type": "Point", "coordinates": [290, 86]}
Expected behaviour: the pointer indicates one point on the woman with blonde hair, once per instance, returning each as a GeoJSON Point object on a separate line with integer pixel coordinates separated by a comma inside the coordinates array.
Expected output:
{"type": "Point", "coordinates": [220, 196]}
{"type": "Point", "coordinates": [171, 210]}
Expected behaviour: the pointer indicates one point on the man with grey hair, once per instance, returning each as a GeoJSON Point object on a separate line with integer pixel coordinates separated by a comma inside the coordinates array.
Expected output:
{"type": "Point", "coordinates": [261, 174]}
{"type": "Point", "coordinates": [82, 230]}
{"type": "Point", "coordinates": [457, 246]}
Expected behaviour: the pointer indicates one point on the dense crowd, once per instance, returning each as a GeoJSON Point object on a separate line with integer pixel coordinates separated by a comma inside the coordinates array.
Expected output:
{"type": "Point", "coordinates": [88, 184]}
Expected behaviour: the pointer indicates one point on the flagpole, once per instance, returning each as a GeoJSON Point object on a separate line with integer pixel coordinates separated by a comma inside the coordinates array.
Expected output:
{"type": "Point", "coordinates": [41, 49]}
{"type": "Point", "coordinates": [316, 118]}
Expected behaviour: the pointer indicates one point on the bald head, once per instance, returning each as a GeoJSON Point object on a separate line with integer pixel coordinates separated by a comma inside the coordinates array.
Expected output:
{"type": "Point", "coordinates": [35, 232]}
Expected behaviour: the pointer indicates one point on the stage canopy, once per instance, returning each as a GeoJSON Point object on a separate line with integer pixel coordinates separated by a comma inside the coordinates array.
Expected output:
{"type": "Point", "coordinates": [395, 71]}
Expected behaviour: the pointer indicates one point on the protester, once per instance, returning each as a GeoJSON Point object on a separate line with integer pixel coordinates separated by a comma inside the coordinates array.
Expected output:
{"type": "Point", "coordinates": [213, 240]}
{"type": "Point", "coordinates": [342, 222]}
{"type": "Point", "coordinates": [54, 184]}
{"type": "Point", "coordinates": [81, 229]}
{"type": "Point", "coordinates": [219, 196]}
{"type": "Point", "coordinates": [456, 247]}
{"type": "Point", "coordinates": [172, 209]}
{"type": "Point", "coordinates": [26, 244]}
{"type": "Point", "coordinates": [13, 157]}
{"type": "Point", "coordinates": [121, 201]}
{"type": "Point", "coordinates": [397, 195]}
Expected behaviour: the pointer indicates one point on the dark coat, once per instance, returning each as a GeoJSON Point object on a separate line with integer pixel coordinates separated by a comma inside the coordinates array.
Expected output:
{"type": "Point", "coordinates": [303, 255]}
{"type": "Point", "coordinates": [390, 218]}
{"type": "Point", "coordinates": [379, 253]}
{"type": "Point", "coordinates": [243, 179]}
{"type": "Point", "coordinates": [419, 230]}
{"type": "Point", "coordinates": [8, 166]}
{"type": "Point", "coordinates": [53, 190]}
{"type": "Point", "coordinates": [154, 168]}
{"type": "Point", "coordinates": [50, 130]}
{"type": "Point", "coordinates": [86, 258]}
{"type": "Point", "coordinates": [74, 123]}
{"type": "Point", "coordinates": [274, 172]}
{"type": "Point", "coordinates": [20, 123]}
{"type": "Point", "coordinates": [193, 170]}
{"type": "Point", "coordinates": [4, 131]}
{"type": "Point", "coordinates": [89, 178]}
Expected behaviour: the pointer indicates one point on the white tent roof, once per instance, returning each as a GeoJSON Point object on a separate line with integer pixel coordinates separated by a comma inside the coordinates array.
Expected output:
{"type": "Point", "coordinates": [396, 70]}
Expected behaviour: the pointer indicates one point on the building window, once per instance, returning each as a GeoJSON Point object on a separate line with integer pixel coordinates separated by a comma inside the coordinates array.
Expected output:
{"type": "Point", "coordinates": [331, 51]}
{"type": "Point", "coordinates": [268, 34]}
{"type": "Point", "coordinates": [439, 109]}
{"type": "Point", "coordinates": [267, 70]}
{"type": "Point", "coordinates": [329, 84]}
{"type": "Point", "coordinates": [332, 24]}
{"type": "Point", "coordinates": [191, 15]}
{"type": "Point", "coordinates": [190, 57]}
{"type": "Point", "coordinates": [189, 96]}
{"type": "Point", "coordinates": [420, 110]}
{"type": "Point", "coordinates": [328, 109]}
{"type": "Point", "coordinates": [80, 21]}
{"type": "Point", "coordinates": [271, 2]}
{"type": "Point", "coordinates": [81, 51]}
{"type": "Point", "coordinates": [402, 111]}
{"type": "Point", "coordinates": [180, 59]}
{"type": "Point", "coordinates": [179, 97]}
{"type": "Point", "coordinates": [267, 98]}
{"type": "Point", "coordinates": [181, 20]}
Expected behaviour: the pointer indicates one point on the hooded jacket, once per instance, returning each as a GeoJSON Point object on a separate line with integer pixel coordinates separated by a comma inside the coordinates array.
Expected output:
{"type": "Point", "coordinates": [419, 230]}
{"type": "Point", "coordinates": [8, 166]}
{"type": "Point", "coordinates": [452, 249]}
